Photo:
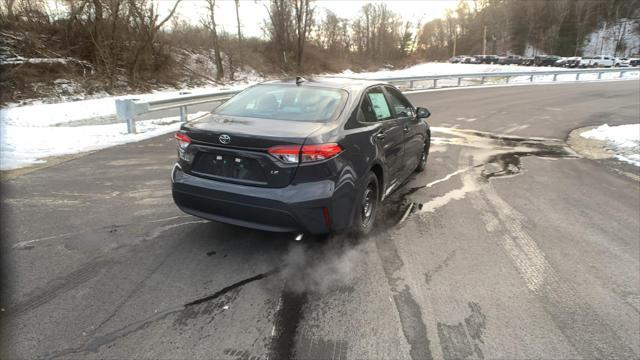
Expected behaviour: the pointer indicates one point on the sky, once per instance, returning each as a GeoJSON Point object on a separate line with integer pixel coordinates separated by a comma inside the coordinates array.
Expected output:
{"type": "Point", "coordinates": [253, 13]}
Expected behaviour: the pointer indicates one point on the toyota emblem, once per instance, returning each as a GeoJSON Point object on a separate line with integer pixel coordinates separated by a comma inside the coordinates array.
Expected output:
{"type": "Point", "coordinates": [225, 139]}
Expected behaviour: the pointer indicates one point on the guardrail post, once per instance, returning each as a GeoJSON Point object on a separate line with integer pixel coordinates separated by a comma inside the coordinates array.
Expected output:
{"type": "Point", "coordinates": [411, 84]}
{"type": "Point", "coordinates": [531, 78]}
{"type": "Point", "coordinates": [183, 109]}
{"type": "Point", "coordinates": [621, 72]}
{"type": "Point", "coordinates": [183, 114]}
{"type": "Point", "coordinates": [131, 125]}
{"type": "Point", "coordinates": [508, 78]}
{"type": "Point", "coordinates": [435, 83]}
{"type": "Point", "coordinates": [577, 76]}
{"type": "Point", "coordinates": [599, 75]}
{"type": "Point", "coordinates": [126, 111]}
{"type": "Point", "coordinates": [459, 81]}
{"type": "Point", "coordinates": [482, 80]}
{"type": "Point", "coordinates": [555, 77]}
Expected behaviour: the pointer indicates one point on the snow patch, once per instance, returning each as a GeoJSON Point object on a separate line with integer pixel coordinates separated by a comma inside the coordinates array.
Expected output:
{"type": "Point", "coordinates": [22, 146]}
{"type": "Point", "coordinates": [624, 140]}
{"type": "Point", "coordinates": [65, 112]}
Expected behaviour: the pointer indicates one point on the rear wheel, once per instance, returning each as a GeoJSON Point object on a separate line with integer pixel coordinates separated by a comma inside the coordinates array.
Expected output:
{"type": "Point", "coordinates": [366, 207]}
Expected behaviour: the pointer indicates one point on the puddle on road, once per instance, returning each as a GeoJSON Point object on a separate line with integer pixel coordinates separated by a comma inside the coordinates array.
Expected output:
{"type": "Point", "coordinates": [491, 156]}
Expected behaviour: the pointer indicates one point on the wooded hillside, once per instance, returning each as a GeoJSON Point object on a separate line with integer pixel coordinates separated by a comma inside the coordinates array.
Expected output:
{"type": "Point", "coordinates": [117, 46]}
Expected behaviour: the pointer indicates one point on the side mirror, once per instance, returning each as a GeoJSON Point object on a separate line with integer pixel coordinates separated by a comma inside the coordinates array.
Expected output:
{"type": "Point", "coordinates": [422, 113]}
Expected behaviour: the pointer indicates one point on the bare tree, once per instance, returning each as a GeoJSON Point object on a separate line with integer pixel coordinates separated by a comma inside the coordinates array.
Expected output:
{"type": "Point", "coordinates": [210, 23]}
{"type": "Point", "coordinates": [279, 27]}
{"type": "Point", "coordinates": [303, 14]}
{"type": "Point", "coordinates": [147, 22]}
{"type": "Point", "coordinates": [238, 20]}
{"type": "Point", "coordinates": [8, 5]}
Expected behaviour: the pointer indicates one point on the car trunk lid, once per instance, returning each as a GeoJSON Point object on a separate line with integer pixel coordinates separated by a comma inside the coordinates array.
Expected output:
{"type": "Point", "coordinates": [235, 149]}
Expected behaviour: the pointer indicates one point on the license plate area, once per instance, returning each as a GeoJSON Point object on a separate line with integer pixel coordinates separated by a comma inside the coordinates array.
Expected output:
{"type": "Point", "coordinates": [229, 166]}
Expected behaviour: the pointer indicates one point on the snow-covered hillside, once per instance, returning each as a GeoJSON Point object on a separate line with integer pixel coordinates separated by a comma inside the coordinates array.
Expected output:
{"type": "Point", "coordinates": [604, 40]}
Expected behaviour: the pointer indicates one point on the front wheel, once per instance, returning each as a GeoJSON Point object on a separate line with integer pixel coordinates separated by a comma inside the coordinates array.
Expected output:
{"type": "Point", "coordinates": [422, 163]}
{"type": "Point", "coordinates": [366, 207]}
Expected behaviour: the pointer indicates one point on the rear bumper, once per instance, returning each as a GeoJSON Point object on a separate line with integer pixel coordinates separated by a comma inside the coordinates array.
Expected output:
{"type": "Point", "coordinates": [295, 208]}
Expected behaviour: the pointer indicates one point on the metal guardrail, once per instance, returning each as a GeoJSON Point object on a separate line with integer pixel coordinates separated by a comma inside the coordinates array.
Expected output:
{"type": "Point", "coordinates": [506, 75]}
{"type": "Point", "coordinates": [128, 109]}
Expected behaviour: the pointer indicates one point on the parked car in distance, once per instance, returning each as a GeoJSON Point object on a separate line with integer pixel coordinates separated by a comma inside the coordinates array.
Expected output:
{"type": "Point", "coordinates": [510, 59]}
{"type": "Point", "coordinates": [634, 62]}
{"type": "Point", "coordinates": [461, 59]}
{"type": "Point", "coordinates": [528, 61]}
{"type": "Point", "coordinates": [546, 60]}
{"type": "Point", "coordinates": [572, 62]}
{"type": "Point", "coordinates": [597, 61]}
{"type": "Point", "coordinates": [486, 59]}
{"type": "Point", "coordinates": [560, 62]}
{"type": "Point", "coordinates": [304, 156]}
{"type": "Point", "coordinates": [621, 62]}
{"type": "Point", "coordinates": [465, 59]}
{"type": "Point", "coordinates": [584, 62]}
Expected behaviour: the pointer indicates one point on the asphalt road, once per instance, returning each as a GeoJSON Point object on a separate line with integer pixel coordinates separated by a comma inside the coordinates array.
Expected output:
{"type": "Point", "coordinates": [506, 247]}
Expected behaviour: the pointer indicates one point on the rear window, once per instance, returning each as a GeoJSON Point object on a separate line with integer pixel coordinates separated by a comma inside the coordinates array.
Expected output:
{"type": "Point", "coordinates": [286, 102]}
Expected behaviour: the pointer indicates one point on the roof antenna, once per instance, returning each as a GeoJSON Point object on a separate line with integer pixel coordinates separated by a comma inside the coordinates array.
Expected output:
{"type": "Point", "coordinates": [300, 80]}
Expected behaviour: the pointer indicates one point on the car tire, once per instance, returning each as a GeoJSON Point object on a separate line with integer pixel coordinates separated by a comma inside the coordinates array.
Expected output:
{"type": "Point", "coordinates": [365, 215]}
{"type": "Point", "coordinates": [424, 155]}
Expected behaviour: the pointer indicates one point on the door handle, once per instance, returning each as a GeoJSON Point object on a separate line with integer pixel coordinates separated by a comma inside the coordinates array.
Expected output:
{"type": "Point", "coordinates": [406, 128]}
{"type": "Point", "coordinates": [380, 136]}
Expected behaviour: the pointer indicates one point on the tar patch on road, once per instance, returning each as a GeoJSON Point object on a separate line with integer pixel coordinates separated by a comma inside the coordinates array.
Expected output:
{"type": "Point", "coordinates": [234, 286]}
{"type": "Point", "coordinates": [462, 340]}
{"type": "Point", "coordinates": [409, 312]}
{"type": "Point", "coordinates": [286, 325]}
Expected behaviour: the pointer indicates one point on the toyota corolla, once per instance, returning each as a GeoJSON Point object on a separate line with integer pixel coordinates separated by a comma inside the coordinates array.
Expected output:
{"type": "Point", "coordinates": [302, 156]}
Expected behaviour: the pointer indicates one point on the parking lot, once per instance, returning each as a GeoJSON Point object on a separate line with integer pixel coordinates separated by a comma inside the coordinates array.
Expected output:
{"type": "Point", "coordinates": [509, 245]}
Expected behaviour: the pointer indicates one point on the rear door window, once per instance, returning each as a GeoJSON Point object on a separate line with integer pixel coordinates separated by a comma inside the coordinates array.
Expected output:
{"type": "Point", "coordinates": [366, 111]}
{"type": "Point", "coordinates": [378, 104]}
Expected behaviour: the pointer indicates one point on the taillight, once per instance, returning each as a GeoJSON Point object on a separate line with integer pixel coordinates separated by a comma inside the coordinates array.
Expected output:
{"type": "Point", "coordinates": [183, 143]}
{"type": "Point", "coordinates": [183, 140]}
{"type": "Point", "coordinates": [289, 154]}
{"type": "Point", "coordinates": [319, 152]}
{"type": "Point", "coordinates": [292, 154]}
